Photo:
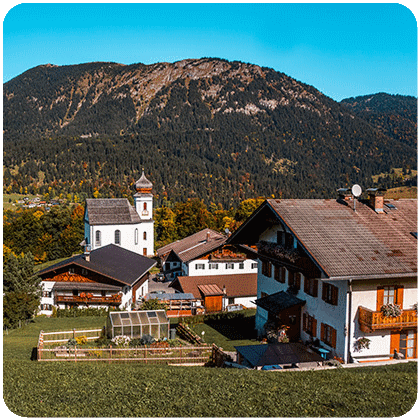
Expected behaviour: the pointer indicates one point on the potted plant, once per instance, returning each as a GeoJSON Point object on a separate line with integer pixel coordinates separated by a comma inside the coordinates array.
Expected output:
{"type": "Point", "coordinates": [391, 310]}
{"type": "Point", "coordinates": [361, 343]}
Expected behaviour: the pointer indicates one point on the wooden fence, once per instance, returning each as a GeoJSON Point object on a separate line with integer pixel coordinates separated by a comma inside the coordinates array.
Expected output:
{"type": "Point", "coordinates": [185, 332]}
{"type": "Point", "coordinates": [54, 347]}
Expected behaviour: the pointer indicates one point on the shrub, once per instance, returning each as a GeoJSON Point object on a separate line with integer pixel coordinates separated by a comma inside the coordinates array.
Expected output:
{"type": "Point", "coordinates": [121, 340]}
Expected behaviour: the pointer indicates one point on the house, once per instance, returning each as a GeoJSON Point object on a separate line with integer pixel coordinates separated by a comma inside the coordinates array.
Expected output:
{"type": "Point", "coordinates": [116, 221]}
{"type": "Point", "coordinates": [331, 270]}
{"type": "Point", "coordinates": [206, 253]}
{"type": "Point", "coordinates": [216, 293]}
{"type": "Point", "coordinates": [109, 276]}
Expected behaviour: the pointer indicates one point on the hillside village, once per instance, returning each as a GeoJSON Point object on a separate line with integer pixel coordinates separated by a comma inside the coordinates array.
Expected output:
{"type": "Point", "coordinates": [330, 279]}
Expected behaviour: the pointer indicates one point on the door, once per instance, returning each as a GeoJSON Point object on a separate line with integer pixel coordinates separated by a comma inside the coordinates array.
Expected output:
{"type": "Point", "coordinates": [405, 342]}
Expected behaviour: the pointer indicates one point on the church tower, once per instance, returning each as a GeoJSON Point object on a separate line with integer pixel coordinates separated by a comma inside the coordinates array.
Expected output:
{"type": "Point", "coordinates": [143, 203]}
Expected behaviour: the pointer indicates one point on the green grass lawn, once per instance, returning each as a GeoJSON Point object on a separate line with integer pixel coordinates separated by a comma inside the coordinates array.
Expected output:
{"type": "Point", "coordinates": [67, 389]}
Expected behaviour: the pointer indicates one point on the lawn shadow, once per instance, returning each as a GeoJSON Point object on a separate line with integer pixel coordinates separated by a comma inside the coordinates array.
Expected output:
{"type": "Point", "coordinates": [235, 329]}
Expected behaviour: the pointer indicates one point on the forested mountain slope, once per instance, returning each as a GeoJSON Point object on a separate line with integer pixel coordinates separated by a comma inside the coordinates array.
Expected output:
{"type": "Point", "coordinates": [208, 128]}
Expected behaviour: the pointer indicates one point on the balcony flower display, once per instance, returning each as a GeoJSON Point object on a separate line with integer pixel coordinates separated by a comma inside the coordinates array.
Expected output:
{"type": "Point", "coordinates": [391, 310]}
{"type": "Point", "coordinates": [274, 250]}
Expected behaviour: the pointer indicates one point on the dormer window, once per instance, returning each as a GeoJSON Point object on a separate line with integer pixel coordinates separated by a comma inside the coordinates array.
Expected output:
{"type": "Point", "coordinates": [285, 239]}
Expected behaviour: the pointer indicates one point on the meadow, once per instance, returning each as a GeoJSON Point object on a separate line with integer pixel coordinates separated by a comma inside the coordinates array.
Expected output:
{"type": "Point", "coordinates": [64, 389]}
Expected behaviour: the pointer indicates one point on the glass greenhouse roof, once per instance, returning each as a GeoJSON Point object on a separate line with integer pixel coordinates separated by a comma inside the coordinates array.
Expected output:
{"type": "Point", "coordinates": [134, 318]}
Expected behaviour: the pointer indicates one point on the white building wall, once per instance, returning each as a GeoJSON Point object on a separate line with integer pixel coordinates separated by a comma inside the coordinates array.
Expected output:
{"type": "Point", "coordinates": [222, 268]}
{"type": "Point", "coordinates": [128, 236]}
{"type": "Point", "coordinates": [46, 287]}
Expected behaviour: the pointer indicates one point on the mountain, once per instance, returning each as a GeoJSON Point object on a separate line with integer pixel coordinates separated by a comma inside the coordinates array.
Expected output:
{"type": "Point", "coordinates": [208, 128]}
{"type": "Point", "coordinates": [394, 115]}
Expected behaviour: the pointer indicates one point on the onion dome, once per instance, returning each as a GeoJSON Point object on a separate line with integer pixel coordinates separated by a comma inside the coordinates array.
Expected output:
{"type": "Point", "coordinates": [143, 185]}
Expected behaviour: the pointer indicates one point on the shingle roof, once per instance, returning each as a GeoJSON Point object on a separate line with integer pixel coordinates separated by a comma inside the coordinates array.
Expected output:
{"type": "Point", "coordinates": [349, 243]}
{"type": "Point", "coordinates": [210, 289]}
{"type": "Point", "coordinates": [110, 261]}
{"type": "Point", "coordinates": [194, 245]}
{"type": "Point", "coordinates": [237, 285]}
{"type": "Point", "coordinates": [111, 211]}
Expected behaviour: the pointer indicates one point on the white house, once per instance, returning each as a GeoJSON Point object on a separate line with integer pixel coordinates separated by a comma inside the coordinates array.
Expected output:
{"type": "Point", "coordinates": [116, 221]}
{"type": "Point", "coordinates": [206, 253]}
{"type": "Point", "coordinates": [110, 276]}
{"type": "Point", "coordinates": [329, 269]}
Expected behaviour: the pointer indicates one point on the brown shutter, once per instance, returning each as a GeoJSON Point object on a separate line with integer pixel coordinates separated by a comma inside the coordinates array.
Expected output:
{"type": "Point", "coordinates": [315, 287]}
{"type": "Point", "coordinates": [313, 327]}
{"type": "Point", "coordinates": [322, 331]}
{"type": "Point", "coordinates": [297, 280]}
{"type": "Point", "coordinates": [333, 338]}
{"type": "Point", "coordinates": [395, 342]}
{"type": "Point", "coordinates": [283, 275]}
{"type": "Point", "coordinates": [324, 291]}
{"type": "Point", "coordinates": [379, 298]}
{"type": "Point", "coordinates": [305, 321]}
{"type": "Point", "coordinates": [306, 285]}
{"type": "Point", "coordinates": [334, 295]}
{"type": "Point", "coordinates": [399, 294]}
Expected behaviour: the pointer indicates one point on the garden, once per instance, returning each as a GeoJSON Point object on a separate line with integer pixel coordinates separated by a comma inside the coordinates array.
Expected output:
{"type": "Point", "coordinates": [102, 389]}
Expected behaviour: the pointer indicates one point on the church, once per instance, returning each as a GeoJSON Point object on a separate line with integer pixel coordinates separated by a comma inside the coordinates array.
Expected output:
{"type": "Point", "coordinates": [116, 221]}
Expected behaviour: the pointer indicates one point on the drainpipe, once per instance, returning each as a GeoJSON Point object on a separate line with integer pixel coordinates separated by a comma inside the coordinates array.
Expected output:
{"type": "Point", "coordinates": [348, 358]}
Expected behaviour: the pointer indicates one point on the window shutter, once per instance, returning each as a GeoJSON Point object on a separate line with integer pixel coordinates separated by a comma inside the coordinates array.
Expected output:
{"type": "Point", "coordinates": [333, 338]}
{"type": "Point", "coordinates": [297, 280]}
{"type": "Point", "coordinates": [322, 331]}
{"type": "Point", "coordinates": [324, 291]}
{"type": "Point", "coordinates": [315, 288]}
{"type": "Point", "coordinates": [313, 327]}
{"type": "Point", "coordinates": [379, 298]}
{"type": "Point", "coordinates": [306, 285]}
{"type": "Point", "coordinates": [334, 295]}
{"type": "Point", "coordinates": [305, 321]}
{"type": "Point", "coordinates": [399, 293]}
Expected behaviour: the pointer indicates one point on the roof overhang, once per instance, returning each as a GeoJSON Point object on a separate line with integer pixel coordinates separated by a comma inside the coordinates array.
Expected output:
{"type": "Point", "coordinates": [278, 302]}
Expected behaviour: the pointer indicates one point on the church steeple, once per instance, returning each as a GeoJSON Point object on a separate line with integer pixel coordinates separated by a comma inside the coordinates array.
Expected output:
{"type": "Point", "coordinates": [143, 185]}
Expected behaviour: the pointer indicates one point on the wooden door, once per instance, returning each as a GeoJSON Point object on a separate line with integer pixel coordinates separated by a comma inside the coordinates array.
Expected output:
{"type": "Point", "coordinates": [213, 303]}
{"type": "Point", "coordinates": [405, 342]}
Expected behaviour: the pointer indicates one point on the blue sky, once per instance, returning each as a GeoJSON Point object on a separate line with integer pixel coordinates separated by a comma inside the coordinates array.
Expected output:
{"type": "Point", "coordinates": [342, 49]}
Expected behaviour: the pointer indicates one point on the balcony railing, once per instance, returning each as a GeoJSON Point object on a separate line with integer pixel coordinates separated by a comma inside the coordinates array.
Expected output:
{"type": "Point", "coordinates": [88, 299]}
{"type": "Point", "coordinates": [370, 321]}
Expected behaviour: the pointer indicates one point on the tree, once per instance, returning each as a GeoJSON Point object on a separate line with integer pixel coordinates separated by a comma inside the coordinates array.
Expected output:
{"type": "Point", "coordinates": [21, 287]}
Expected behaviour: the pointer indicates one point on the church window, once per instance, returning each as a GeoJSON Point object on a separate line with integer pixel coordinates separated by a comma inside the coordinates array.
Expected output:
{"type": "Point", "coordinates": [144, 235]}
{"type": "Point", "coordinates": [117, 238]}
{"type": "Point", "coordinates": [98, 238]}
{"type": "Point", "coordinates": [136, 236]}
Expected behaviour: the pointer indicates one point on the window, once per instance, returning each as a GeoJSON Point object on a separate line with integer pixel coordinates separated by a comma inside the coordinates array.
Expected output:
{"type": "Point", "coordinates": [199, 266]}
{"type": "Point", "coordinates": [389, 294]}
{"type": "Point", "coordinates": [309, 324]}
{"type": "Point", "coordinates": [213, 266]}
{"type": "Point", "coordinates": [408, 344]}
{"type": "Point", "coordinates": [294, 279]}
{"type": "Point", "coordinates": [136, 236]}
{"type": "Point", "coordinates": [71, 270]}
{"type": "Point", "coordinates": [254, 265]}
{"type": "Point", "coordinates": [98, 238]}
{"type": "Point", "coordinates": [310, 286]}
{"type": "Point", "coordinates": [144, 251]}
{"type": "Point", "coordinates": [241, 266]}
{"type": "Point", "coordinates": [266, 268]}
{"type": "Point", "coordinates": [330, 293]}
{"type": "Point", "coordinates": [46, 293]}
{"type": "Point", "coordinates": [230, 266]}
{"type": "Point", "coordinates": [328, 335]}
{"type": "Point", "coordinates": [231, 301]}
{"type": "Point", "coordinates": [117, 237]}
{"type": "Point", "coordinates": [144, 236]}
{"type": "Point", "coordinates": [46, 307]}
{"type": "Point", "coordinates": [84, 272]}
{"type": "Point", "coordinates": [145, 206]}
{"type": "Point", "coordinates": [279, 273]}
{"type": "Point", "coordinates": [285, 239]}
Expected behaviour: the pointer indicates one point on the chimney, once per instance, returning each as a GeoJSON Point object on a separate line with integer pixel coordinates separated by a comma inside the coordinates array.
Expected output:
{"type": "Point", "coordinates": [376, 199]}
{"type": "Point", "coordinates": [208, 237]}
{"type": "Point", "coordinates": [87, 253]}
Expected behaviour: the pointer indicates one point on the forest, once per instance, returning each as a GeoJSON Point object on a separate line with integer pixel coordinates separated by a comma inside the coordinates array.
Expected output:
{"type": "Point", "coordinates": [217, 131]}
{"type": "Point", "coordinates": [49, 235]}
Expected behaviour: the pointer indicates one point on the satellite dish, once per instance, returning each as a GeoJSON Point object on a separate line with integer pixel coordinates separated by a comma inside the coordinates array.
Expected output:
{"type": "Point", "coordinates": [356, 190]}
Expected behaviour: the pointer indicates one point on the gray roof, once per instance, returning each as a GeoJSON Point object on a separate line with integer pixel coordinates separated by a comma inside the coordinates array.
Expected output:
{"type": "Point", "coordinates": [110, 211]}
{"type": "Point", "coordinates": [110, 261]}
{"type": "Point", "coordinates": [278, 302]}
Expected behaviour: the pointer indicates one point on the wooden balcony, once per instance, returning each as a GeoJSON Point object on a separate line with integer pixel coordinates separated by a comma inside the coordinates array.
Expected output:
{"type": "Point", "coordinates": [370, 321]}
{"type": "Point", "coordinates": [89, 299]}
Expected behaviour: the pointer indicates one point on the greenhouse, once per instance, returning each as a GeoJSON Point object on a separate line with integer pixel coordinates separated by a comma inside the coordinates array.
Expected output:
{"type": "Point", "coordinates": [136, 324]}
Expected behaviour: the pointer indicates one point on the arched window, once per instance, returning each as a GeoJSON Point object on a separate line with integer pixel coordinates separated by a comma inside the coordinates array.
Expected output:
{"type": "Point", "coordinates": [136, 236]}
{"type": "Point", "coordinates": [98, 238]}
{"type": "Point", "coordinates": [144, 235]}
{"type": "Point", "coordinates": [117, 238]}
